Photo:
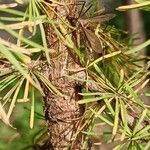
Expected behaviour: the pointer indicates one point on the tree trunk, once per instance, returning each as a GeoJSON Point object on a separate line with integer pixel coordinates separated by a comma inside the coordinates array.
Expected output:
{"type": "Point", "coordinates": [62, 111]}
{"type": "Point", "coordinates": [134, 25]}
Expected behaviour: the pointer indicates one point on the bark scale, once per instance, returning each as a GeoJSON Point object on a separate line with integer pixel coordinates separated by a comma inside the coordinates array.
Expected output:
{"type": "Point", "coordinates": [62, 112]}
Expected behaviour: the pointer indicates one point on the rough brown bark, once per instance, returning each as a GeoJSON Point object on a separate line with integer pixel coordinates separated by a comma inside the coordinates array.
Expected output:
{"type": "Point", "coordinates": [61, 112]}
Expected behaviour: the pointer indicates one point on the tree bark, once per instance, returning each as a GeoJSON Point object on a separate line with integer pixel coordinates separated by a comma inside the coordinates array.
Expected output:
{"type": "Point", "coordinates": [62, 111]}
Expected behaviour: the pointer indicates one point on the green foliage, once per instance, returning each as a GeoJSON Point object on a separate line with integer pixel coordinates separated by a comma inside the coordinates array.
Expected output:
{"type": "Point", "coordinates": [141, 4]}
{"type": "Point", "coordinates": [117, 78]}
{"type": "Point", "coordinates": [23, 137]}
{"type": "Point", "coordinates": [145, 4]}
